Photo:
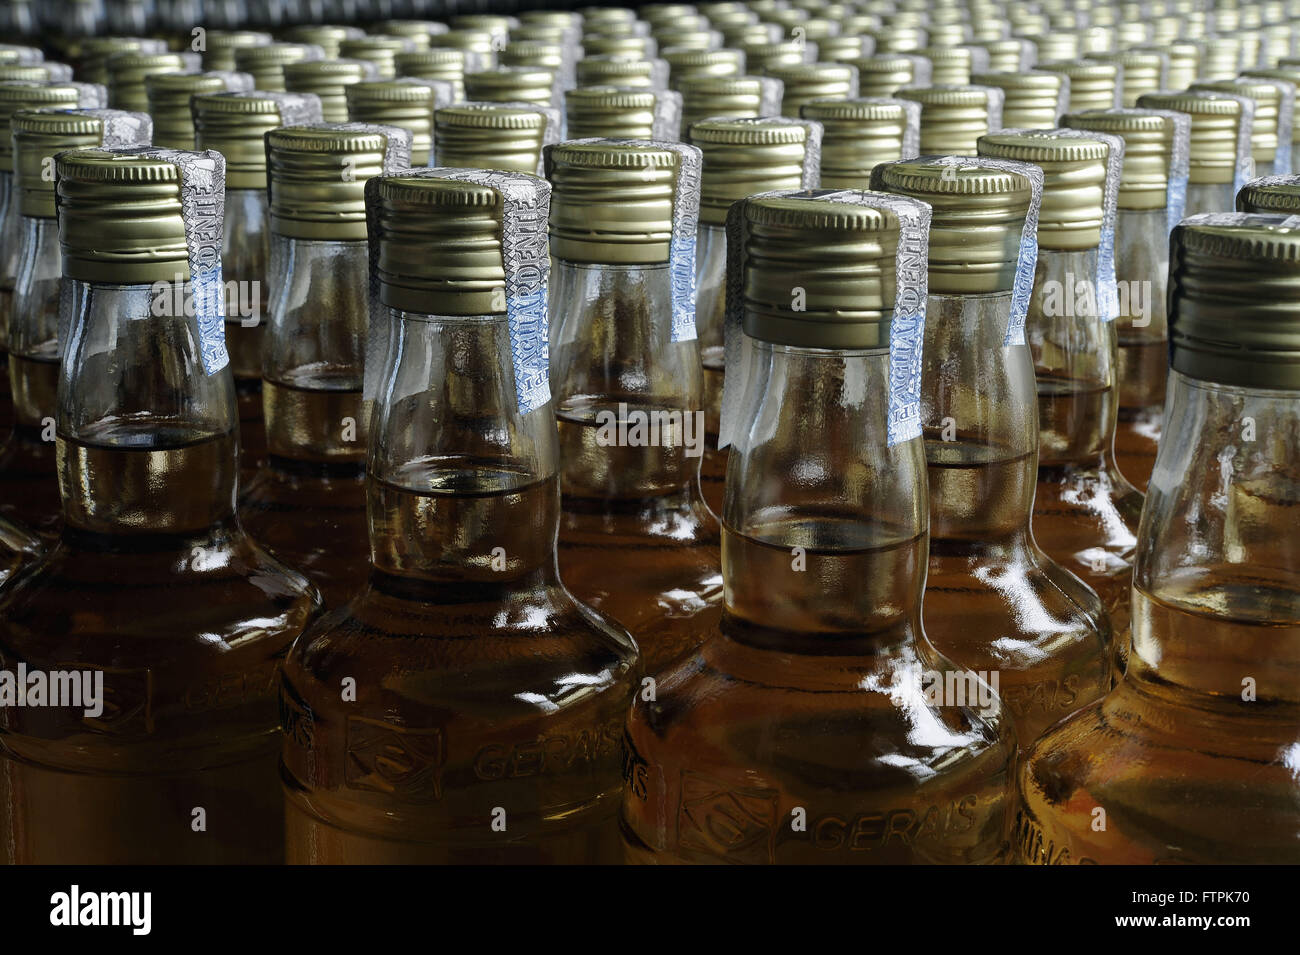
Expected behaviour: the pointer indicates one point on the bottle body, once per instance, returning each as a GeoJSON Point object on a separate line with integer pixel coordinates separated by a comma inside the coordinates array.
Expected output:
{"type": "Point", "coordinates": [307, 503]}
{"type": "Point", "coordinates": [488, 701]}
{"type": "Point", "coordinates": [788, 737]}
{"type": "Point", "coordinates": [153, 591]}
{"type": "Point", "coordinates": [245, 259]}
{"type": "Point", "coordinates": [1085, 512]}
{"type": "Point", "coordinates": [8, 234]}
{"type": "Point", "coordinates": [995, 603]}
{"type": "Point", "coordinates": [1209, 197]}
{"type": "Point", "coordinates": [1187, 759]}
{"type": "Point", "coordinates": [27, 459]}
{"type": "Point", "coordinates": [628, 405]}
{"type": "Point", "coordinates": [1142, 266]}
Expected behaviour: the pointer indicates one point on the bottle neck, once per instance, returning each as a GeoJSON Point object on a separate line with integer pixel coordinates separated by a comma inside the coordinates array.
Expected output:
{"type": "Point", "coordinates": [1074, 354]}
{"type": "Point", "coordinates": [1209, 197]}
{"type": "Point", "coordinates": [249, 274]}
{"type": "Point", "coordinates": [628, 397]}
{"type": "Point", "coordinates": [979, 421]}
{"type": "Point", "coordinates": [1142, 267]}
{"type": "Point", "coordinates": [147, 441]}
{"type": "Point", "coordinates": [824, 529]}
{"type": "Point", "coordinates": [711, 287]}
{"type": "Point", "coordinates": [314, 355]}
{"type": "Point", "coordinates": [1216, 580]}
{"type": "Point", "coordinates": [34, 322]}
{"type": "Point", "coordinates": [462, 487]}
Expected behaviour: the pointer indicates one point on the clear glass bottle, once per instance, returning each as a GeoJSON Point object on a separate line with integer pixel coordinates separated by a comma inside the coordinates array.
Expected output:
{"type": "Point", "coordinates": [153, 592]}
{"type": "Point", "coordinates": [801, 730]}
{"type": "Point", "coordinates": [235, 125]}
{"type": "Point", "coordinates": [488, 701]}
{"type": "Point", "coordinates": [637, 541]}
{"type": "Point", "coordinates": [27, 461]}
{"type": "Point", "coordinates": [1190, 759]}
{"type": "Point", "coordinates": [1215, 162]}
{"type": "Point", "coordinates": [995, 602]}
{"type": "Point", "coordinates": [741, 157]}
{"type": "Point", "coordinates": [307, 503]}
{"type": "Point", "coordinates": [1085, 512]}
{"type": "Point", "coordinates": [1141, 265]}
{"type": "Point", "coordinates": [14, 97]}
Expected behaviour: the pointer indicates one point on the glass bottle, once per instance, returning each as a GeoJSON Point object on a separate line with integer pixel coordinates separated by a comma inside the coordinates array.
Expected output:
{"type": "Point", "coordinates": [235, 125]}
{"type": "Point", "coordinates": [954, 117]}
{"type": "Point", "coordinates": [153, 593]}
{"type": "Point", "coordinates": [637, 541]}
{"type": "Point", "coordinates": [741, 157]}
{"type": "Point", "coordinates": [30, 498]}
{"type": "Point", "coordinates": [488, 702]}
{"type": "Point", "coordinates": [1142, 226]}
{"type": "Point", "coordinates": [491, 136]}
{"type": "Point", "coordinates": [994, 601]}
{"type": "Point", "coordinates": [15, 97]}
{"type": "Point", "coordinates": [307, 503]}
{"type": "Point", "coordinates": [1219, 156]}
{"type": "Point", "coordinates": [802, 731]}
{"type": "Point", "coordinates": [1190, 759]}
{"type": "Point", "coordinates": [1085, 512]}
{"type": "Point", "coordinates": [860, 134]}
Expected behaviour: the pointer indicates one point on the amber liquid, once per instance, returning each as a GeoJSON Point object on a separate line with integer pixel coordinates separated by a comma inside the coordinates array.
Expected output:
{"type": "Point", "coordinates": [993, 604]}
{"type": "Point", "coordinates": [244, 344]}
{"type": "Point", "coordinates": [29, 491]}
{"type": "Point", "coordinates": [1084, 516]}
{"type": "Point", "coordinates": [1175, 766]}
{"type": "Point", "coordinates": [307, 505]}
{"type": "Point", "coordinates": [713, 469]}
{"type": "Point", "coordinates": [1141, 411]}
{"type": "Point", "coordinates": [817, 713]}
{"type": "Point", "coordinates": [648, 561]}
{"type": "Point", "coordinates": [153, 586]}
{"type": "Point", "coordinates": [484, 693]}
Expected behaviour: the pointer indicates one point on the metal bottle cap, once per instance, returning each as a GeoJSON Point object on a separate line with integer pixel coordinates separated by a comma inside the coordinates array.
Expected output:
{"type": "Point", "coordinates": [805, 82]}
{"type": "Point", "coordinates": [1093, 83]}
{"type": "Point", "coordinates": [743, 157]}
{"type": "Point", "coordinates": [127, 73]}
{"type": "Point", "coordinates": [512, 84]}
{"type": "Point", "coordinates": [407, 102]}
{"type": "Point", "coordinates": [235, 125]}
{"type": "Point", "coordinates": [978, 218]}
{"type": "Point", "coordinates": [327, 36]}
{"type": "Point", "coordinates": [1234, 299]}
{"type": "Point", "coordinates": [439, 63]}
{"type": "Point", "coordinates": [859, 134]}
{"type": "Point", "coordinates": [609, 112]}
{"type": "Point", "coordinates": [169, 102]}
{"type": "Point", "coordinates": [490, 136]}
{"type": "Point", "coordinates": [689, 64]}
{"type": "Point", "coordinates": [317, 175]}
{"type": "Point", "coordinates": [1074, 180]}
{"type": "Point", "coordinates": [328, 80]}
{"type": "Point", "coordinates": [39, 134]}
{"type": "Point", "coordinates": [95, 51]}
{"type": "Point", "coordinates": [220, 46]}
{"type": "Point", "coordinates": [266, 63]}
{"type": "Point", "coordinates": [616, 71]}
{"type": "Point", "coordinates": [613, 200]}
{"type": "Point", "coordinates": [120, 218]}
{"type": "Point", "coordinates": [954, 117]}
{"type": "Point", "coordinates": [1268, 96]}
{"type": "Point", "coordinates": [735, 96]}
{"type": "Point", "coordinates": [21, 96]}
{"type": "Point", "coordinates": [1216, 121]}
{"type": "Point", "coordinates": [1278, 195]}
{"type": "Point", "coordinates": [379, 50]}
{"type": "Point", "coordinates": [1033, 99]}
{"type": "Point", "coordinates": [885, 74]}
{"type": "Point", "coordinates": [1148, 148]}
